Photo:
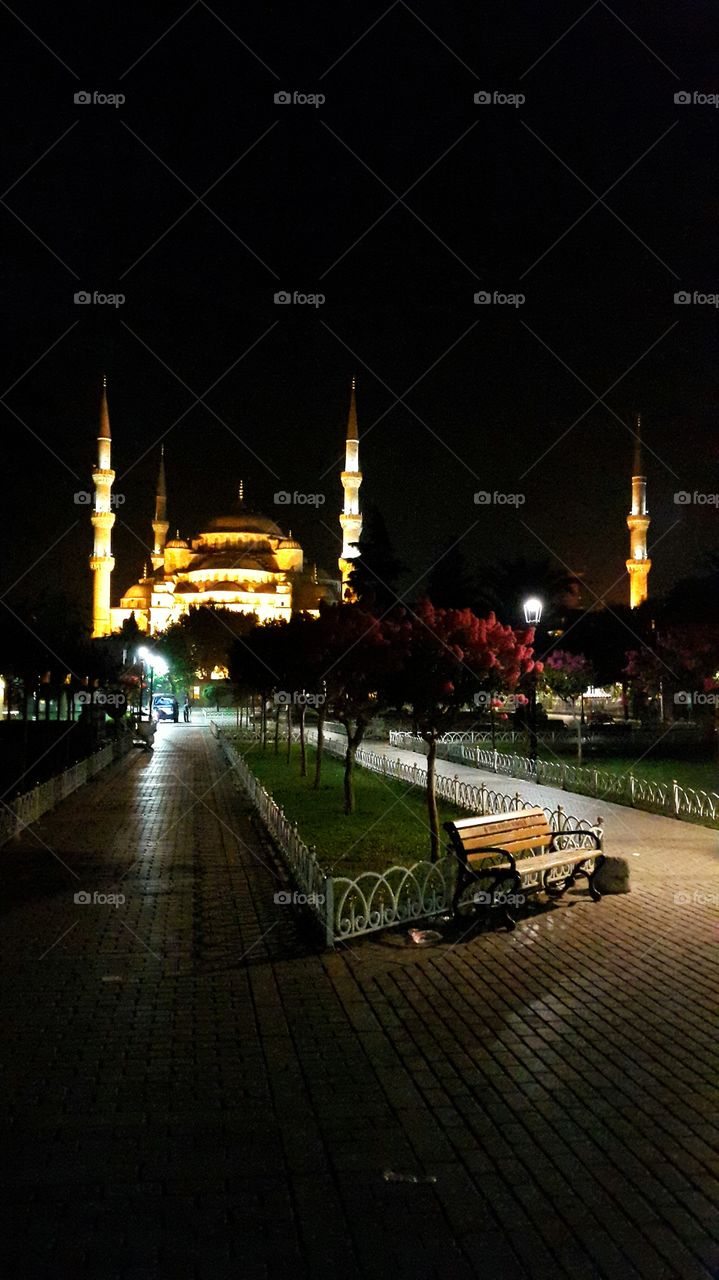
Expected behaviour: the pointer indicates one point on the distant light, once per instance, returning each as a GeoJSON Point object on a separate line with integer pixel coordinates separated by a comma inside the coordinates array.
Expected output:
{"type": "Point", "coordinates": [153, 660]}
{"type": "Point", "coordinates": [532, 611]}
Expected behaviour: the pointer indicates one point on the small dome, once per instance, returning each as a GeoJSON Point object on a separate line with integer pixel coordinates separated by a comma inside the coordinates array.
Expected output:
{"type": "Point", "coordinates": [176, 544]}
{"type": "Point", "coordinates": [139, 591]}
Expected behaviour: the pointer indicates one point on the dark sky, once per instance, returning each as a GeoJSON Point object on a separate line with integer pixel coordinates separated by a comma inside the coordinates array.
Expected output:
{"type": "Point", "coordinates": [498, 198]}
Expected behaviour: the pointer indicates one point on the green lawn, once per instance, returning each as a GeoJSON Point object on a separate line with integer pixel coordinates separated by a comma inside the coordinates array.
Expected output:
{"type": "Point", "coordinates": [389, 825]}
{"type": "Point", "coordinates": [702, 775]}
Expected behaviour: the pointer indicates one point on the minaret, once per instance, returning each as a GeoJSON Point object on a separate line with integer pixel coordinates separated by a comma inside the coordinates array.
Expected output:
{"type": "Point", "coordinates": [350, 519]}
{"type": "Point", "coordinates": [160, 524]}
{"type": "Point", "coordinates": [639, 564]}
{"type": "Point", "coordinates": [103, 518]}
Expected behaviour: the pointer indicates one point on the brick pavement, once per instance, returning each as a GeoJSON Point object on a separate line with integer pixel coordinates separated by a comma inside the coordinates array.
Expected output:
{"type": "Point", "coordinates": [191, 1089]}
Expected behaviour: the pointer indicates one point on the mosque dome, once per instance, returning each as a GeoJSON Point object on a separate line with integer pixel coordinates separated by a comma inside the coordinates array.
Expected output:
{"type": "Point", "coordinates": [241, 521]}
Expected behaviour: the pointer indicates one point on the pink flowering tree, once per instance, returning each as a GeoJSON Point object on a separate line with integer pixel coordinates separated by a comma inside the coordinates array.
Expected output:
{"type": "Point", "coordinates": [568, 676]}
{"type": "Point", "coordinates": [447, 656]}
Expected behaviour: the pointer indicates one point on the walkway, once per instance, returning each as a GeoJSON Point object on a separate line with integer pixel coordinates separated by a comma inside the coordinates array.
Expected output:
{"type": "Point", "coordinates": [663, 851]}
{"type": "Point", "coordinates": [190, 1090]}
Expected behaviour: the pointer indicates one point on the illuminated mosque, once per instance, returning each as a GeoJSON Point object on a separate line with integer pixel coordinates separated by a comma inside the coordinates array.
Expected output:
{"type": "Point", "coordinates": [242, 561]}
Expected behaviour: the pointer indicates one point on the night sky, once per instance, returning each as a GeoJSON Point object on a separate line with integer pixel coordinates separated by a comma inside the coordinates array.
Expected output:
{"type": "Point", "coordinates": [398, 199]}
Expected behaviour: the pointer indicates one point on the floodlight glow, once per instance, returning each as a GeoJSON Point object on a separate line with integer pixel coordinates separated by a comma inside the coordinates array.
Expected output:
{"type": "Point", "coordinates": [154, 660]}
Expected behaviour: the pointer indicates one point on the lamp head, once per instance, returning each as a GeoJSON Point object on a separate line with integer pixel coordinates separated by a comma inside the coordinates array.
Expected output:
{"type": "Point", "coordinates": [532, 610]}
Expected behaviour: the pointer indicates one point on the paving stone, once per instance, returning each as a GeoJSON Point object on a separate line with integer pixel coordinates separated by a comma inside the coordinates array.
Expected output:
{"type": "Point", "coordinates": [228, 1100]}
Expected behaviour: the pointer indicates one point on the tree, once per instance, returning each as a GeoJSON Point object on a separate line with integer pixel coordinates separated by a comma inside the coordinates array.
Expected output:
{"type": "Point", "coordinates": [568, 675]}
{"type": "Point", "coordinates": [447, 656]}
{"type": "Point", "coordinates": [258, 661]}
{"type": "Point", "coordinates": [603, 636]}
{"type": "Point", "coordinates": [679, 669]}
{"type": "Point", "coordinates": [378, 569]}
{"type": "Point", "coordinates": [304, 665]}
{"type": "Point", "coordinates": [202, 641]}
{"type": "Point", "coordinates": [361, 652]}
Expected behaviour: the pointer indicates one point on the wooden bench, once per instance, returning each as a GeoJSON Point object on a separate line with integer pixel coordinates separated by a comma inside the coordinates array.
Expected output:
{"type": "Point", "coordinates": [519, 850]}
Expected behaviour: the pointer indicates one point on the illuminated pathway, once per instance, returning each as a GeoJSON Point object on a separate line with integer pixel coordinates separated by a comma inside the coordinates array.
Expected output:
{"type": "Point", "coordinates": [190, 1090]}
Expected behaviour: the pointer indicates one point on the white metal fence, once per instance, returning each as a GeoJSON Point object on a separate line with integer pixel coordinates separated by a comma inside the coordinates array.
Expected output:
{"type": "Point", "coordinates": [28, 808]}
{"type": "Point", "coordinates": [348, 907]}
{"type": "Point", "coordinates": [668, 798]}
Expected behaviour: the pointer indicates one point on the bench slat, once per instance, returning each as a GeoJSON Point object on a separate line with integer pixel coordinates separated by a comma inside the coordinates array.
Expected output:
{"type": "Point", "coordinates": [512, 835]}
{"type": "Point", "coordinates": [516, 818]}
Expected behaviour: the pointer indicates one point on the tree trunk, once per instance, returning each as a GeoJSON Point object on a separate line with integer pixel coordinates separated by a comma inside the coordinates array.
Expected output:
{"type": "Point", "coordinates": [579, 735]}
{"type": "Point", "coordinates": [353, 741]}
{"type": "Point", "coordinates": [432, 813]}
{"type": "Point", "coordinates": [320, 746]}
{"type": "Point", "coordinates": [263, 720]}
{"type": "Point", "coordinates": [277, 731]}
{"type": "Point", "coordinates": [289, 732]}
{"type": "Point", "coordinates": [349, 771]}
{"type": "Point", "coordinates": [303, 750]}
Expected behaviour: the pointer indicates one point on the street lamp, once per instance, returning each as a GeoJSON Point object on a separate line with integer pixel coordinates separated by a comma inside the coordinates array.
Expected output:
{"type": "Point", "coordinates": [532, 610]}
{"type": "Point", "coordinates": [156, 664]}
{"type": "Point", "coordinates": [532, 617]}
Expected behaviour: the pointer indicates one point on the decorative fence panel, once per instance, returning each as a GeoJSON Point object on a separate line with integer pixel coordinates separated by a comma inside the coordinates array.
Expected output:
{"type": "Point", "coordinates": [31, 806]}
{"type": "Point", "coordinates": [348, 908]}
{"type": "Point", "coordinates": [668, 798]}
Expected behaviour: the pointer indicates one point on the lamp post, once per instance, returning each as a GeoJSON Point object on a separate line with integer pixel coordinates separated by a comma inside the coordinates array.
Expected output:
{"type": "Point", "coordinates": [156, 664]}
{"type": "Point", "coordinates": [532, 617]}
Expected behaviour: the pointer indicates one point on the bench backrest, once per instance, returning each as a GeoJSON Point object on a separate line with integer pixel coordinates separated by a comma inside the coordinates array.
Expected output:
{"type": "Point", "coordinates": [514, 832]}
